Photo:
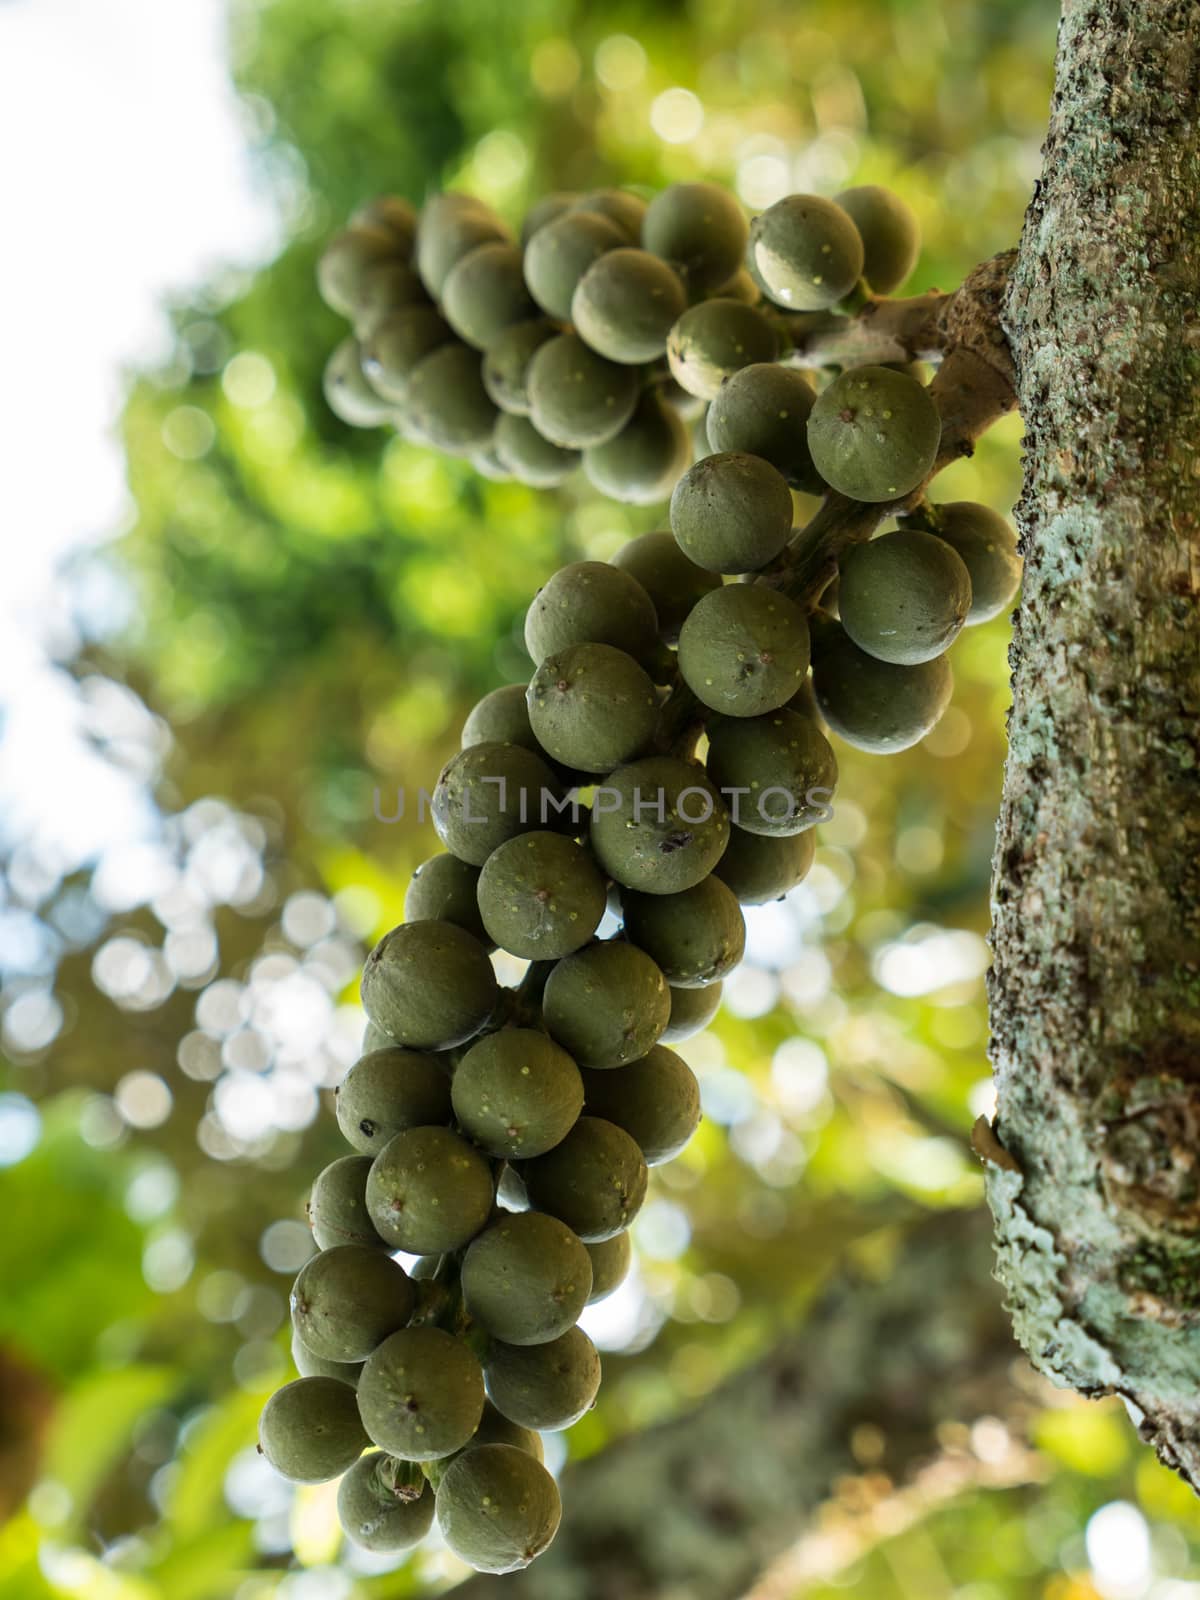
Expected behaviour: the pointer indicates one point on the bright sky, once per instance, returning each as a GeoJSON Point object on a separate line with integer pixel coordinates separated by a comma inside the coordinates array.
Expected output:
{"type": "Point", "coordinates": [127, 177]}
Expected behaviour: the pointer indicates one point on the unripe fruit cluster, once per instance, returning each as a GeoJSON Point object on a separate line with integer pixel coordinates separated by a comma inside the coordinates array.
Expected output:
{"type": "Point", "coordinates": [504, 1136]}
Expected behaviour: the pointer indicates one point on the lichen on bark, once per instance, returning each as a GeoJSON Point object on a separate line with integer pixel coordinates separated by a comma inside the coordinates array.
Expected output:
{"type": "Point", "coordinates": [1095, 990]}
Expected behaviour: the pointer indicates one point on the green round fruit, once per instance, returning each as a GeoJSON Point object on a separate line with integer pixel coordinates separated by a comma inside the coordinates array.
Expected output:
{"type": "Point", "coordinates": [544, 211]}
{"type": "Point", "coordinates": [744, 650]}
{"type": "Point", "coordinates": [446, 405]}
{"type": "Point", "coordinates": [611, 1260]}
{"type": "Point", "coordinates": [484, 293]}
{"type": "Point", "coordinates": [875, 705]}
{"type": "Point", "coordinates": [501, 717]}
{"type": "Point", "coordinates": [988, 548]}
{"type": "Point", "coordinates": [759, 868]}
{"type": "Point", "coordinates": [309, 1365]}
{"type": "Point", "coordinates": [806, 252]}
{"type": "Point", "coordinates": [397, 344]}
{"type": "Point", "coordinates": [526, 1278]}
{"type": "Point", "coordinates": [345, 1300]}
{"type": "Point", "coordinates": [594, 1181]}
{"type": "Point", "coordinates": [606, 1004]}
{"type": "Point", "coordinates": [497, 1508]}
{"type": "Point", "coordinates": [642, 464]}
{"type": "Point", "coordinates": [337, 1206]}
{"type": "Point", "coordinates": [544, 1386]}
{"type": "Point", "coordinates": [655, 1100]}
{"type": "Point", "coordinates": [658, 825]}
{"type": "Point", "coordinates": [530, 457]}
{"type": "Point", "coordinates": [625, 305]}
{"type": "Point", "coordinates": [388, 288]}
{"type": "Point", "coordinates": [395, 215]}
{"type": "Point", "coordinates": [517, 1093]}
{"type": "Point", "coordinates": [429, 984]}
{"type": "Point", "coordinates": [874, 434]}
{"type": "Point", "coordinates": [442, 889]}
{"type": "Point", "coordinates": [695, 937]}
{"type": "Point", "coordinates": [429, 1191]}
{"type": "Point", "coordinates": [590, 602]}
{"type": "Point", "coordinates": [495, 1429]}
{"type": "Point", "coordinates": [673, 582]}
{"type": "Point", "coordinates": [780, 768]}
{"type": "Point", "coordinates": [576, 397]}
{"type": "Point", "coordinates": [890, 233]}
{"type": "Point", "coordinates": [451, 227]}
{"type": "Point", "coordinates": [388, 1090]}
{"type": "Point", "coordinates": [731, 512]}
{"type": "Point", "coordinates": [347, 259]}
{"type": "Point", "coordinates": [489, 793]}
{"type": "Point", "coordinates": [559, 254]}
{"type": "Point", "coordinates": [506, 364]}
{"type": "Point", "coordinates": [691, 1012]}
{"type": "Point", "coordinates": [540, 896]}
{"type": "Point", "coordinates": [421, 1394]}
{"type": "Point", "coordinates": [592, 707]}
{"type": "Point", "coordinates": [619, 206]}
{"type": "Point", "coordinates": [376, 1038]}
{"type": "Point", "coordinates": [714, 340]}
{"type": "Point", "coordinates": [310, 1430]}
{"type": "Point", "coordinates": [348, 394]}
{"type": "Point", "coordinates": [385, 1504]}
{"type": "Point", "coordinates": [701, 230]}
{"type": "Point", "coordinates": [763, 411]}
{"type": "Point", "coordinates": [904, 597]}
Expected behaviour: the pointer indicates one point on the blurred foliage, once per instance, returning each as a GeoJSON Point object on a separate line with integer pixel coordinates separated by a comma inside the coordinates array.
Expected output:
{"type": "Point", "coordinates": [317, 610]}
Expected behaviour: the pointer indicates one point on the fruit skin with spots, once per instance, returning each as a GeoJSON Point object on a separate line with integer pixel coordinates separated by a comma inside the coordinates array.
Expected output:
{"type": "Point", "coordinates": [578, 398]}
{"type": "Point", "coordinates": [347, 1299]}
{"type": "Point", "coordinates": [516, 1093]}
{"type": "Point", "coordinates": [384, 1503]}
{"type": "Point", "coordinates": [701, 230]}
{"type": "Point", "coordinates": [904, 597]}
{"type": "Point", "coordinates": [744, 650]}
{"type": "Point", "coordinates": [805, 252]}
{"type": "Point", "coordinates": [763, 411]}
{"type": "Point", "coordinates": [421, 1394]}
{"type": "Point", "coordinates": [625, 305]}
{"type": "Point", "coordinates": [731, 512]}
{"type": "Point", "coordinates": [485, 293]}
{"type": "Point", "coordinates": [310, 1430]}
{"type": "Point", "coordinates": [714, 340]}
{"type": "Point", "coordinates": [875, 705]}
{"type": "Point", "coordinates": [429, 1191]}
{"type": "Point", "coordinates": [544, 1386]}
{"type": "Point", "coordinates": [442, 889]}
{"type": "Point", "coordinates": [606, 1004]}
{"type": "Point", "coordinates": [655, 1100]}
{"type": "Point", "coordinates": [526, 1278]}
{"type": "Point", "coordinates": [782, 767]}
{"type": "Point", "coordinates": [559, 254]}
{"type": "Point", "coordinates": [691, 1011]}
{"type": "Point", "coordinates": [672, 581]}
{"type": "Point", "coordinates": [337, 1206]}
{"type": "Point", "coordinates": [591, 602]}
{"type": "Point", "coordinates": [759, 868]}
{"type": "Point", "coordinates": [489, 793]}
{"type": "Point", "coordinates": [659, 825]}
{"type": "Point", "coordinates": [594, 1181]}
{"type": "Point", "coordinates": [387, 1090]}
{"type": "Point", "coordinates": [592, 707]}
{"type": "Point", "coordinates": [988, 548]}
{"type": "Point", "coordinates": [498, 1508]}
{"type": "Point", "coordinates": [642, 463]}
{"type": "Point", "coordinates": [890, 233]}
{"type": "Point", "coordinates": [430, 985]}
{"type": "Point", "coordinates": [541, 896]}
{"type": "Point", "coordinates": [611, 1260]}
{"type": "Point", "coordinates": [696, 937]}
{"type": "Point", "coordinates": [874, 434]}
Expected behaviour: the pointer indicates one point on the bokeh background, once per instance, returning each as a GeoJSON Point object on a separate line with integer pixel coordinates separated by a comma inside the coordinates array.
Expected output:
{"type": "Point", "coordinates": [228, 621]}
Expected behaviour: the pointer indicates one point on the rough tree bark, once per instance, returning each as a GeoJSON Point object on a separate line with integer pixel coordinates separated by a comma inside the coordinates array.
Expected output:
{"type": "Point", "coordinates": [1095, 994]}
{"type": "Point", "coordinates": [698, 1506]}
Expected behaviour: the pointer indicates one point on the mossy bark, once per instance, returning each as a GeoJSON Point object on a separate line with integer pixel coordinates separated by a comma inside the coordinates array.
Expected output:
{"type": "Point", "coordinates": [698, 1506]}
{"type": "Point", "coordinates": [1095, 993]}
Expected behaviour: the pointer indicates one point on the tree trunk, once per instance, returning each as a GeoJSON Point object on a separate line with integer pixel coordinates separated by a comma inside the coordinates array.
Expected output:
{"type": "Point", "coordinates": [698, 1506]}
{"type": "Point", "coordinates": [1095, 994]}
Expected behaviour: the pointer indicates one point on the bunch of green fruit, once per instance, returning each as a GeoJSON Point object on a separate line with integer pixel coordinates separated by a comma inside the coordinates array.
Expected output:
{"type": "Point", "coordinates": [606, 821]}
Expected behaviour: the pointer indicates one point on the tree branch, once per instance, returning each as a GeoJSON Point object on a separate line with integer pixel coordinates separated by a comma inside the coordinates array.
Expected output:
{"type": "Point", "coordinates": [699, 1505]}
{"type": "Point", "coordinates": [1096, 888]}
